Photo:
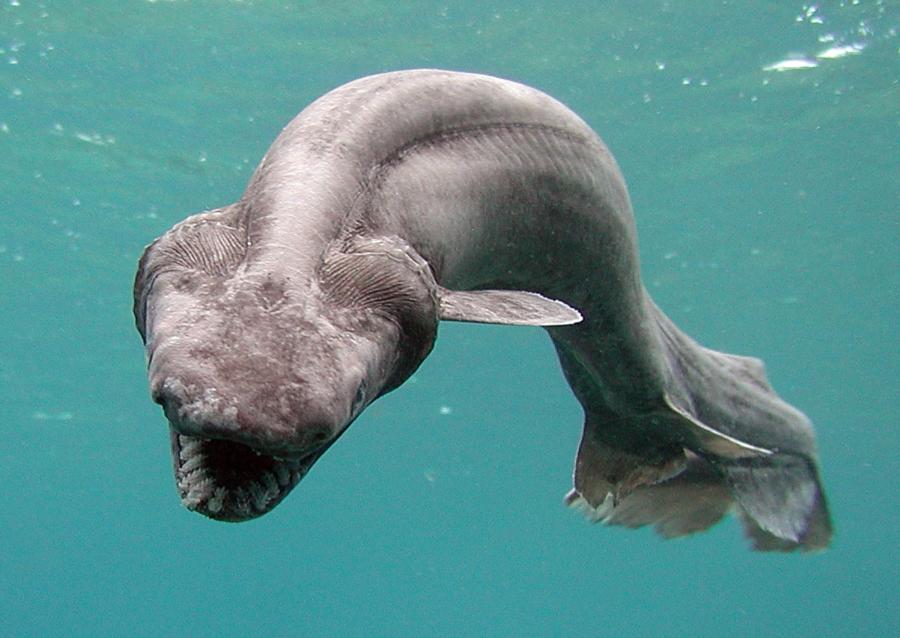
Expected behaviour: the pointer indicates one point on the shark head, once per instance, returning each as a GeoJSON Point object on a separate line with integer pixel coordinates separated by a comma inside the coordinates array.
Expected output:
{"type": "Point", "coordinates": [260, 366]}
{"type": "Point", "coordinates": [259, 371]}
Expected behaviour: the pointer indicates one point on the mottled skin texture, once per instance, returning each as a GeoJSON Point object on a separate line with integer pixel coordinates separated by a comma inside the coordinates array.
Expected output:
{"type": "Point", "coordinates": [401, 199]}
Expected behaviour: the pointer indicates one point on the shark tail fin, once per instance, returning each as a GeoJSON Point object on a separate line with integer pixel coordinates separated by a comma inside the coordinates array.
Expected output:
{"type": "Point", "coordinates": [780, 502]}
{"type": "Point", "coordinates": [713, 436]}
{"type": "Point", "coordinates": [778, 498]}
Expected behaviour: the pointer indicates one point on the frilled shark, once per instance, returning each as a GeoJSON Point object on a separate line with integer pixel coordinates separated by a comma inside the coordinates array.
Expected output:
{"type": "Point", "coordinates": [403, 199]}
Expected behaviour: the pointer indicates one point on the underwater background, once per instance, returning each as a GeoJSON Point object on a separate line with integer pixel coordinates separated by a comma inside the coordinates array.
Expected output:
{"type": "Point", "coordinates": [760, 144]}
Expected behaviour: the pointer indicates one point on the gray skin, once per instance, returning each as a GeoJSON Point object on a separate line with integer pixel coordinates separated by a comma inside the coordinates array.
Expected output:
{"type": "Point", "coordinates": [402, 199]}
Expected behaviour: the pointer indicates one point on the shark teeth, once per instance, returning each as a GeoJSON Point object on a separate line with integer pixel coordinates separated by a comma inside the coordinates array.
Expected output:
{"type": "Point", "coordinates": [249, 492]}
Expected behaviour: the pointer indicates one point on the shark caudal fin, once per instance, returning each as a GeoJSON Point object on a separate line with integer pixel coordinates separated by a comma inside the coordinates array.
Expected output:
{"type": "Point", "coordinates": [779, 501]}
{"type": "Point", "coordinates": [721, 440]}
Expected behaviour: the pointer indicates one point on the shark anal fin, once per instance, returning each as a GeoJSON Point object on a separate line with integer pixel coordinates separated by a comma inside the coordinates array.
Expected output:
{"type": "Point", "coordinates": [643, 471]}
{"type": "Point", "coordinates": [692, 501]}
{"type": "Point", "coordinates": [777, 497]}
{"type": "Point", "coordinates": [603, 470]}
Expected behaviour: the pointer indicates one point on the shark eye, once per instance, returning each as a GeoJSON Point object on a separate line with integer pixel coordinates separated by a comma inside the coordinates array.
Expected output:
{"type": "Point", "coordinates": [360, 397]}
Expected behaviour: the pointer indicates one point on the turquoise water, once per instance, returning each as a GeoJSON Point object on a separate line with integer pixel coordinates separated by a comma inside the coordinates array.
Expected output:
{"type": "Point", "coordinates": [766, 202]}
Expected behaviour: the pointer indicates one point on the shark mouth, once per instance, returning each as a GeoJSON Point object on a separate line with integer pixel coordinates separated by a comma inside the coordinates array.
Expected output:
{"type": "Point", "coordinates": [228, 481]}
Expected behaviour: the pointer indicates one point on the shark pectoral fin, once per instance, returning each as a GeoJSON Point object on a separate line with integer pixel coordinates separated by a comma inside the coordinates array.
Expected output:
{"type": "Point", "coordinates": [703, 438]}
{"type": "Point", "coordinates": [509, 307]}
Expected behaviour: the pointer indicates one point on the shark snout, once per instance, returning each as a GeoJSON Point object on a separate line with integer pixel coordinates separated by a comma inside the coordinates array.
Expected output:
{"type": "Point", "coordinates": [275, 421]}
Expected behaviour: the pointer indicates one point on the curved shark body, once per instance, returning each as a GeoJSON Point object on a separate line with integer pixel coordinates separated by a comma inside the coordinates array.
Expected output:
{"type": "Point", "coordinates": [401, 199]}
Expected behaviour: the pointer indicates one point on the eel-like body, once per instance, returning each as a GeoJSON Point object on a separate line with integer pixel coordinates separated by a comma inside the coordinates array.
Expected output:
{"type": "Point", "coordinates": [401, 199]}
